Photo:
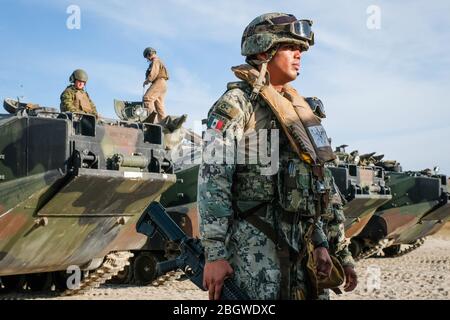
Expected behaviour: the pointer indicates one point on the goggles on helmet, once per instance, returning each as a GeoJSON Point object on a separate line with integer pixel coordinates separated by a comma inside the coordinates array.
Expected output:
{"type": "Point", "coordinates": [298, 28]}
{"type": "Point", "coordinates": [316, 106]}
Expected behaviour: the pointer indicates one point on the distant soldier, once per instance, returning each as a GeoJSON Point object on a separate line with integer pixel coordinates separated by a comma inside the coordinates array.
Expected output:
{"type": "Point", "coordinates": [156, 75]}
{"type": "Point", "coordinates": [75, 98]}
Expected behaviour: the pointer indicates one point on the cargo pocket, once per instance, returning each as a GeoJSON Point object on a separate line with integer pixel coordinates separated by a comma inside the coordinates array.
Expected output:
{"type": "Point", "coordinates": [254, 187]}
{"type": "Point", "coordinates": [304, 186]}
{"type": "Point", "coordinates": [294, 185]}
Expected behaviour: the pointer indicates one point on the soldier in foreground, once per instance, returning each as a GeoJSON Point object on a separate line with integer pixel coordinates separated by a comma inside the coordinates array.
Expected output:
{"type": "Point", "coordinates": [157, 76]}
{"type": "Point", "coordinates": [75, 98]}
{"type": "Point", "coordinates": [338, 244]}
{"type": "Point", "coordinates": [256, 227]}
{"type": "Point", "coordinates": [334, 223]}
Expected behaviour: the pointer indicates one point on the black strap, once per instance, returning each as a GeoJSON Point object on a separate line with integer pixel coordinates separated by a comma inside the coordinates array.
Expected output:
{"type": "Point", "coordinates": [250, 212]}
{"type": "Point", "coordinates": [264, 227]}
{"type": "Point", "coordinates": [295, 217]}
{"type": "Point", "coordinates": [283, 253]}
{"type": "Point", "coordinates": [274, 234]}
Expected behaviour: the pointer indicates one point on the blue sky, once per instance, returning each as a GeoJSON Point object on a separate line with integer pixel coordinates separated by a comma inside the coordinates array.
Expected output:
{"type": "Point", "coordinates": [384, 90]}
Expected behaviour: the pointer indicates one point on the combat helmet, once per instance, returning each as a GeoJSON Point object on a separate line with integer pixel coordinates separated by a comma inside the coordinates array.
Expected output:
{"type": "Point", "coordinates": [265, 33]}
{"type": "Point", "coordinates": [79, 75]}
{"type": "Point", "coordinates": [149, 51]}
{"type": "Point", "coordinates": [270, 29]}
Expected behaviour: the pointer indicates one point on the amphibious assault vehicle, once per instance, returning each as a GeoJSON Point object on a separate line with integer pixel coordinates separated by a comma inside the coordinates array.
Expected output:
{"type": "Point", "coordinates": [419, 208]}
{"type": "Point", "coordinates": [71, 190]}
{"type": "Point", "coordinates": [363, 188]}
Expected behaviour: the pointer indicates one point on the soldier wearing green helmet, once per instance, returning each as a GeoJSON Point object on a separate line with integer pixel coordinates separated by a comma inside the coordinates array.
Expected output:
{"type": "Point", "coordinates": [266, 229]}
{"type": "Point", "coordinates": [149, 51]}
{"type": "Point", "coordinates": [157, 76]}
{"type": "Point", "coordinates": [74, 98]}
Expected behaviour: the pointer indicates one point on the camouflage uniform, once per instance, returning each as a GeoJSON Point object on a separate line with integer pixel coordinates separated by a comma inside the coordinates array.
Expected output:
{"type": "Point", "coordinates": [334, 229]}
{"type": "Point", "coordinates": [233, 195]}
{"type": "Point", "coordinates": [74, 100]}
{"type": "Point", "coordinates": [252, 255]}
{"type": "Point", "coordinates": [334, 219]}
{"type": "Point", "coordinates": [154, 96]}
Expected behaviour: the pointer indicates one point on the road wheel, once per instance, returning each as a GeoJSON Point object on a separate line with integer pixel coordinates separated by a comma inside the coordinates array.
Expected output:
{"type": "Point", "coordinates": [144, 268]}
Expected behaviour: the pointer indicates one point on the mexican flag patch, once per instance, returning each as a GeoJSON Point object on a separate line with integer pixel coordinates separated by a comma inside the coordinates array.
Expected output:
{"type": "Point", "coordinates": [215, 123]}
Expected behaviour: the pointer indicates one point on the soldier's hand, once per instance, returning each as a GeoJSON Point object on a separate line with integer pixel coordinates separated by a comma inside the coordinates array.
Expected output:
{"type": "Point", "coordinates": [214, 274]}
{"type": "Point", "coordinates": [351, 279]}
{"type": "Point", "coordinates": [323, 262]}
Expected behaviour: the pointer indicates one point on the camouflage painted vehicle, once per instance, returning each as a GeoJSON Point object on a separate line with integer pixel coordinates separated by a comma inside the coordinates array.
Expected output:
{"type": "Point", "coordinates": [435, 217]}
{"type": "Point", "coordinates": [71, 190]}
{"type": "Point", "coordinates": [176, 139]}
{"type": "Point", "coordinates": [363, 188]}
{"type": "Point", "coordinates": [433, 221]}
{"type": "Point", "coordinates": [419, 207]}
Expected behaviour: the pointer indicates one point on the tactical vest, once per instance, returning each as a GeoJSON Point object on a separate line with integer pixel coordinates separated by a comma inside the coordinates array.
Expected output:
{"type": "Point", "coordinates": [291, 187]}
{"type": "Point", "coordinates": [82, 101]}
{"type": "Point", "coordinates": [163, 74]}
{"type": "Point", "coordinates": [301, 126]}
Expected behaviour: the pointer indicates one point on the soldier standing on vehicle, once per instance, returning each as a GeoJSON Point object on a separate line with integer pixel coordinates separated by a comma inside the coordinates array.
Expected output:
{"type": "Point", "coordinates": [157, 76]}
{"type": "Point", "coordinates": [255, 227]}
{"type": "Point", "coordinates": [74, 98]}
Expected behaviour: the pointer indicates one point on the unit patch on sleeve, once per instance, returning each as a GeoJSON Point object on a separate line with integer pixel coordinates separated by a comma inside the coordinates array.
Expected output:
{"type": "Point", "coordinates": [216, 122]}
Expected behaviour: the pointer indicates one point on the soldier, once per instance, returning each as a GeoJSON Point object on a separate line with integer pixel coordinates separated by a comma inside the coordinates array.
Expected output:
{"type": "Point", "coordinates": [75, 98]}
{"type": "Point", "coordinates": [157, 75]}
{"type": "Point", "coordinates": [255, 226]}
{"type": "Point", "coordinates": [334, 221]}
{"type": "Point", "coordinates": [335, 231]}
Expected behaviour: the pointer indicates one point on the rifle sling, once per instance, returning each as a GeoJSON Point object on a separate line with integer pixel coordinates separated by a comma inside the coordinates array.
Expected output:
{"type": "Point", "coordinates": [283, 252]}
{"type": "Point", "coordinates": [303, 129]}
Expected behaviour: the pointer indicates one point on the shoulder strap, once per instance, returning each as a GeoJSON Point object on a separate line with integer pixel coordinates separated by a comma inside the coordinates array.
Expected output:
{"type": "Point", "coordinates": [283, 253]}
{"type": "Point", "coordinates": [304, 131]}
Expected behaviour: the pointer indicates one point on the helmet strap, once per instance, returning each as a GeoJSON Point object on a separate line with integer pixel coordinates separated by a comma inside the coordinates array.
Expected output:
{"type": "Point", "coordinates": [262, 72]}
{"type": "Point", "coordinates": [259, 82]}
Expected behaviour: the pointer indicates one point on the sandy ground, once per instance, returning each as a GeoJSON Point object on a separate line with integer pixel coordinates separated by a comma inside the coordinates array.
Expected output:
{"type": "Point", "coordinates": [421, 274]}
